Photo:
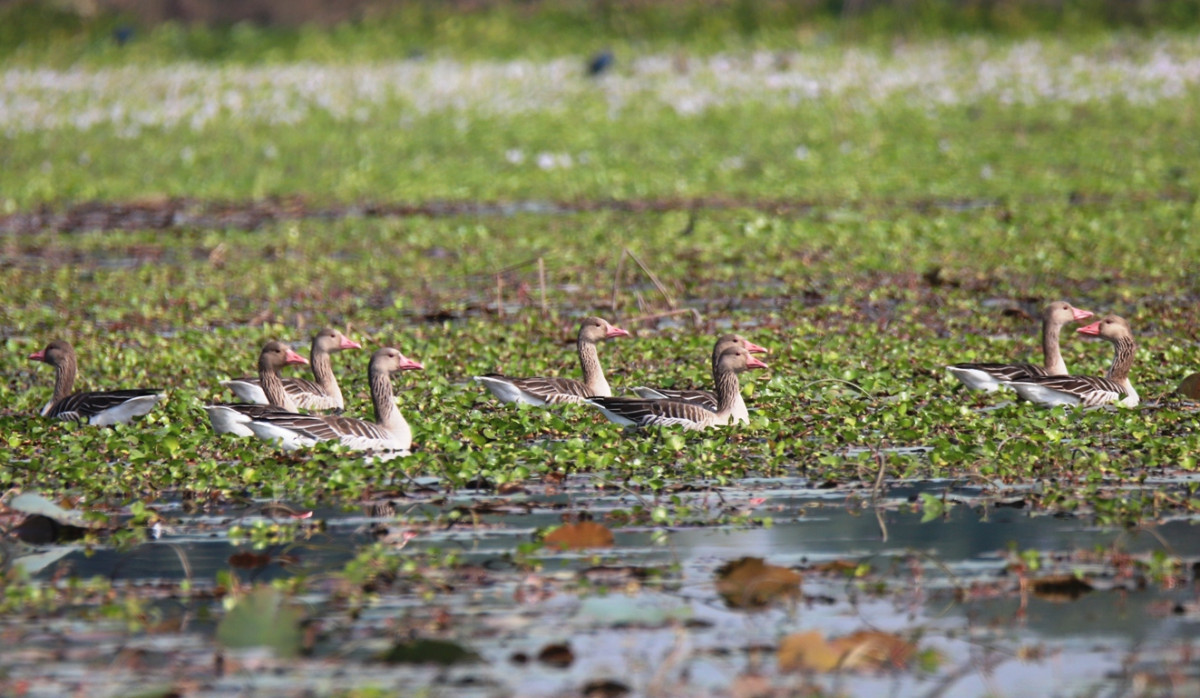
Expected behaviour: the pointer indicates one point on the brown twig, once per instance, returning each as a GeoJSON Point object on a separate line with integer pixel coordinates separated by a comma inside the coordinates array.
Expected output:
{"type": "Point", "coordinates": [882, 460]}
{"type": "Point", "coordinates": [500, 295]}
{"type": "Point", "coordinates": [617, 279]}
{"type": "Point", "coordinates": [542, 285]}
{"type": "Point", "coordinates": [653, 278]}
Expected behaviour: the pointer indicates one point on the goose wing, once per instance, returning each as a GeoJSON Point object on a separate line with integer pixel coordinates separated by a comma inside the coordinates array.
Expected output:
{"type": "Point", "coordinates": [703, 398]}
{"type": "Point", "coordinates": [644, 413]}
{"type": "Point", "coordinates": [550, 391]}
{"type": "Point", "coordinates": [305, 393]}
{"type": "Point", "coordinates": [358, 434]}
{"type": "Point", "coordinates": [1089, 390]}
{"type": "Point", "coordinates": [82, 406]}
{"type": "Point", "coordinates": [1003, 372]}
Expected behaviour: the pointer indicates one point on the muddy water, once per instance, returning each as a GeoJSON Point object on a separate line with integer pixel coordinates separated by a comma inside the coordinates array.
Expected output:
{"type": "Point", "coordinates": [949, 581]}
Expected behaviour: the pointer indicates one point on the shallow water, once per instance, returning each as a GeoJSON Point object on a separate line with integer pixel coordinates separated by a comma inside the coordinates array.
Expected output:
{"type": "Point", "coordinates": [949, 582]}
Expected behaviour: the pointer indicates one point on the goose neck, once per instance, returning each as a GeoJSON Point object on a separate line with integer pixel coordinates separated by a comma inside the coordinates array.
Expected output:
{"type": "Point", "coordinates": [272, 387]}
{"type": "Point", "coordinates": [322, 368]}
{"type": "Point", "coordinates": [64, 376]}
{"type": "Point", "coordinates": [1051, 354]}
{"type": "Point", "coordinates": [728, 391]}
{"type": "Point", "coordinates": [593, 373]}
{"type": "Point", "coordinates": [1124, 349]}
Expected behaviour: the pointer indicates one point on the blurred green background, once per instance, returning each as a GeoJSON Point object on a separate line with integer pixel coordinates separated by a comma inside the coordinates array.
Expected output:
{"type": "Point", "coordinates": [61, 31]}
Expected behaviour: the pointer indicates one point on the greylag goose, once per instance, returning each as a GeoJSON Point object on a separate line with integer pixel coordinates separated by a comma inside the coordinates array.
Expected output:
{"type": "Point", "coordinates": [1089, 391]}
{"type": "Point", "coordinates": [389, 431]}
{"type": "Point", "coordinates": [556, 391]}
{"type": "Point", "coordinates": [322, 394]}
{"type": "Point", "coordinates": [990, 376]}
{"type": "Point", "coordinates": [643, 413]}
{"type": "Point", "coordinates": [101, 407]}
{"type": "Point", "coordinates": [705, 398]}
{"type": "Point", "coordinates": [232, 419]}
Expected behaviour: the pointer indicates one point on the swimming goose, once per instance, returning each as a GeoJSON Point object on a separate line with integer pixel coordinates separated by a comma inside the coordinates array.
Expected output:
{"type": "Point", "coordinates": [389, 431]}
{"type": "Point", "coordinates": [706, 398]}
{"type": "Point", "coordinates": [642, 412]}
{"type": "Point", "coordinates": [1090, 391]}
{"type": "Point", "coordinates": [990, 376]}
{"type": "Point", "coordinates": [323, 394]}
{"type": "Point", "coordinates": [100, 407]}
{"type": "Point", "coordinates": [233, 419]}
{"type": "Point", "coordinates": [556, 391]}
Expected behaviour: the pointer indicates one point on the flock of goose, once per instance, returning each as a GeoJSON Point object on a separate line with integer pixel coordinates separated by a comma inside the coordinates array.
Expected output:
{"type": "Point", "coordinates": [271, 403]}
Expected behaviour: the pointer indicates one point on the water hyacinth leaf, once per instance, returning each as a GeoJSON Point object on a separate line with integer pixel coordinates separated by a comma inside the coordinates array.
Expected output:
{"type": "Point", "coordinates": [262, 618]}
{"type": "Point", "coordinates": [749, 582]}
{"type": "Point", "coordinates": [933, 506]}
{"type": "Point", "coordinates": [423, 651]}
{"type": "Point", "coordinates": [579, 536]}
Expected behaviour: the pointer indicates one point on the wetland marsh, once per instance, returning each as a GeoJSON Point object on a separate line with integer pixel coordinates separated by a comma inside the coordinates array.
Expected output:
{"type": "Point", "coordinates": [868, 214]}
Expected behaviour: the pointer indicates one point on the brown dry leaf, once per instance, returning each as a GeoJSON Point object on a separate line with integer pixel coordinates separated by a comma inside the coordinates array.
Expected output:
{"type": "Point", "coordinates": [576, 536]}
{"type": "Point", "coordinates": [749, 582]}
{"type": "Point", "coordinates": [1059, 587]}
{"type": "Point", "coordinates": [865, 650]}
{"type": "Point", "coordinates": [1190, 387]}
{"type": "Point", "coordinates": [873, 649]}
{"type": "Point", "coordinates": [557, 655]}
{"type": "Point", "coordinates": [511, 488]}
{"type": "Point", "coordinates": [247, 560]}
{"type": "Point", "coordinates": [838, 567]}
{"type": "Point", "coordinates": [807, 652]}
